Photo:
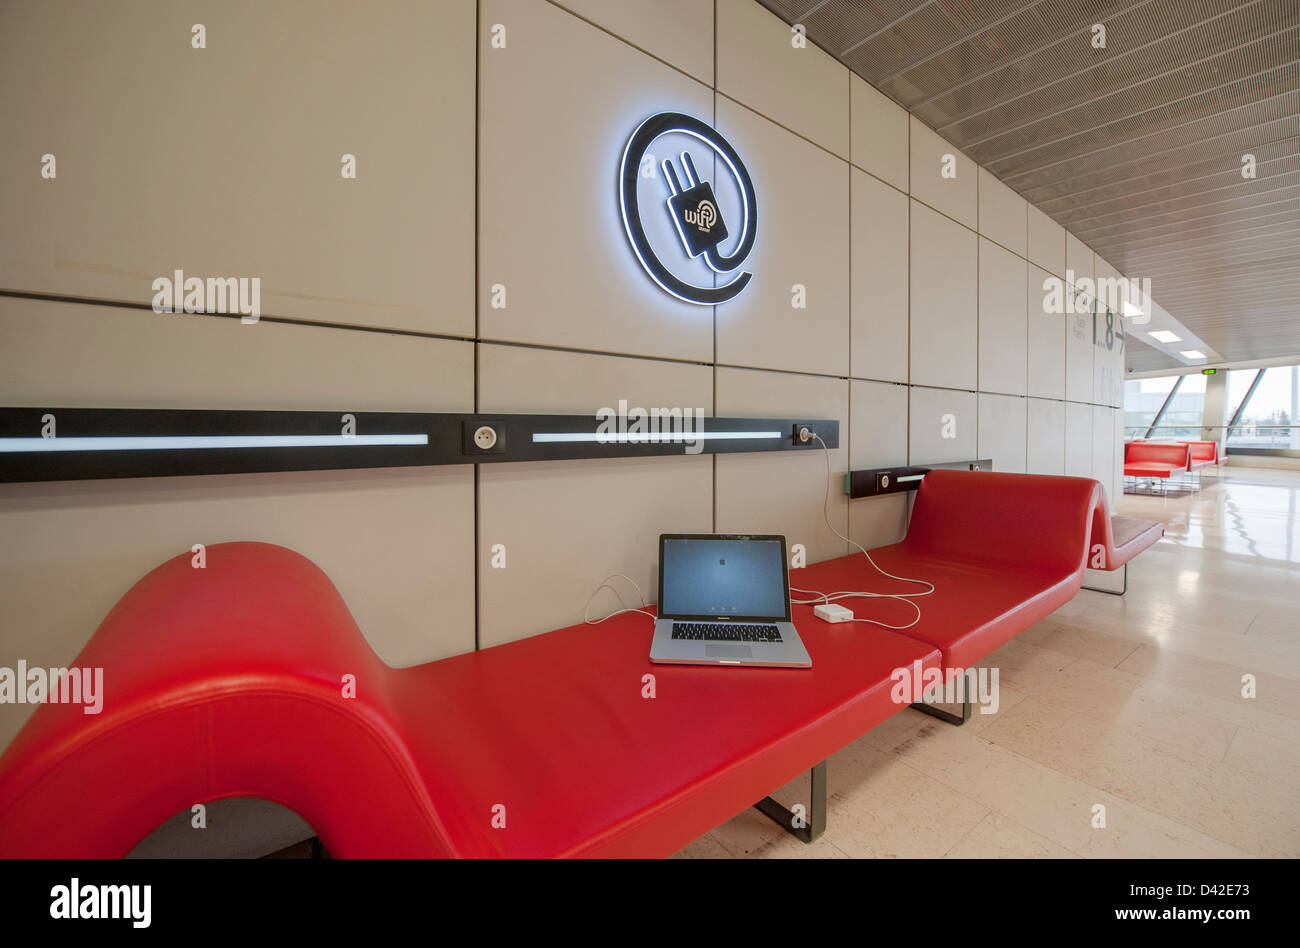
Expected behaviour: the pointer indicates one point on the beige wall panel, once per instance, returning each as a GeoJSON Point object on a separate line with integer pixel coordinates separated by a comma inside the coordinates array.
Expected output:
{"type": "Point", "coordinates": [879, 133]}
{"type": "Point", "coordinates": [680, 32]}
{"type": "Point", "coordinates": [878, 438]}
{"type": "Point", "coordinates": [1047, 332]}
{"type": "Point", "coordinates": [81, 355]}
{"type": "Point", "coordinates": [1103, 271]}
{"type": "Point", "coordinates": [1079, 356]}
{"type": "Point", "coordinates": [225, 161]}
{"type": "Point", "coordinates": [944, 309]}
{"type": "Point", "coordinates": [803, 89]}
{"type": "Point", "coordinates": [928, 424]}
{"type": "Point", "coordinates": [803, 238]}
{"type": "Point", "coordinates": [1078, 258]}
{"type": "Point", "coordinates": [1078, 440]}
{"type": "Point", "coordinates": [1108, 362]}
{"type": "Point", "coordinates": [395, 542]}
{"type": "Point", "coordinates": [1045, 448]}
{"type": "Point", "coordinates": [1046, 242]}
{"type": "Point", "coordinates": [1103, 445]}
{"type": "Point", "coordinates": [958, 196]}
{"type": "Point", "coordinates": [1003, 320]}
{"type": "Point", "coordinates": [1116, 488]}
{"type": "Point", "coordinates": [784, 493]}
{"type": "Point", "coordinates": [880, 281]}
{"type": "Point", "coordinates": [566, 525]}
{"type": "Point", "coordinates": [554, 130]}
{"type": "Point", "coordinates": [548, 381]}
{"type": "Point", "coordinates": [1109, 388]}
{"type": "Point", "coordinates": [1002, 431]}
{"type": "Point", "coordinates": [1003, 214]}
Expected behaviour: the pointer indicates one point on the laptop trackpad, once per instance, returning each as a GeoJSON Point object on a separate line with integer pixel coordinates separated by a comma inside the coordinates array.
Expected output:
{"type": "Point", "coordinates": [728, 651]}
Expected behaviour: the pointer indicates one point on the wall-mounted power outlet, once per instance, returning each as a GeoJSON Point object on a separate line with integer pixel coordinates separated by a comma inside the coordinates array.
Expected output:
{"type": "Point", "coordinates": [479, 438]}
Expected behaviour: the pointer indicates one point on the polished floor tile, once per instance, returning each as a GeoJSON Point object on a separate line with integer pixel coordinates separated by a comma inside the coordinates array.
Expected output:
{"type": "Point", "coordinates": [1222, 801]}
{"type": "Point", "coordinates": [997, 836]}
{"type": "Point", "coordinates": [1124, 726]}
{"type": "Point", "coordinates": [1073, 639]}
{"type": "Point", "coordinates": [1044, 800]}
{"type": "Point", "coordinates": [706, 847]}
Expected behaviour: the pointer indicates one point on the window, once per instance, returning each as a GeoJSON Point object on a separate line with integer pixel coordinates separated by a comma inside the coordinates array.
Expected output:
{"type": "Point", "coordinates": [1142, 399]}
{"type": "Point", "coordinates": [1183, 418]}
{"type": "Point", "coordinates": [1269, 418]}
{"type": "Point", "coordinates": [1238, 385]}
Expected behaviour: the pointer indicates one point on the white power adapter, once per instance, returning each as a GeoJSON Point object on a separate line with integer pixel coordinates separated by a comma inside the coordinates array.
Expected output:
{"type": "Point", "coordinates": [832, 612]}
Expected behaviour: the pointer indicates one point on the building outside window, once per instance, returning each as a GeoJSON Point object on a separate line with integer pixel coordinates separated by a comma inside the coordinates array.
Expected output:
{"type": "Point", "coordinates": [1269, 418]}
{"type": "Point", "coordinates": [1142, 400]}
{"type": "Point", "coordinates": [1183, 418]}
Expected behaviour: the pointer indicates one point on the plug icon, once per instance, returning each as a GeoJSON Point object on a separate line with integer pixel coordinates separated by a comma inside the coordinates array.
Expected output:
{"type": "Point", "coordinates": [694, 209]}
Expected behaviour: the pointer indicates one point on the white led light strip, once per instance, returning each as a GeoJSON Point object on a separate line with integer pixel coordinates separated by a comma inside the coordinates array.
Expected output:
{"type": "Point", "coordinates": [650, 437]}
{"type": "Point", "coordinates": [198, 442]}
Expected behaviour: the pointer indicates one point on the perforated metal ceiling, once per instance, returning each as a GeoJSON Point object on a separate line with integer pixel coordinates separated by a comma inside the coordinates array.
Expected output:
{"type": "Point", "coordinates": [1136, 148]}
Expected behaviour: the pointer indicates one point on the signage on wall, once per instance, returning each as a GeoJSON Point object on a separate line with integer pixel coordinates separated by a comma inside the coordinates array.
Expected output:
{"type": "Point", "coordinates": [693, 205]}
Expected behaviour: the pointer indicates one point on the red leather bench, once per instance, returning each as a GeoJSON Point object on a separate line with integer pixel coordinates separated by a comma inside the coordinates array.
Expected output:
{"type": "Point", "coordinates": [1203, 454]}
{"type": "Point", "coordinates": [228, 681]}
{"type": "Point", "coordinates": [1156, 459]}
{"type": "Point", "coordinates": [1116, 540]}
{"type": "Point", "coordinates": [1003, 551]}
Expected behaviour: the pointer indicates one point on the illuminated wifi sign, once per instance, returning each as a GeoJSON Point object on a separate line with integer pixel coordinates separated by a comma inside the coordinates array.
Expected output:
{"type": "Point", "coordinates": [693, 207]}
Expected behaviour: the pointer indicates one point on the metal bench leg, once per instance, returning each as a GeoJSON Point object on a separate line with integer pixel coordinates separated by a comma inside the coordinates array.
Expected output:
{"type": "Point", "coordinates": [803, 828]}
{"type": "Point", "coordinates": [968, 685]}
{"type": "Point", "coordinates": [1111, 592]}
{"type": "Point", "coordinates": [942, 715]}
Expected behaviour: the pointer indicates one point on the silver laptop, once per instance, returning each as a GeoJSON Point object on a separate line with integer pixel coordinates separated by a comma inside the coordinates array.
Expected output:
{"type": "Point", "coordinates": [725, 600]}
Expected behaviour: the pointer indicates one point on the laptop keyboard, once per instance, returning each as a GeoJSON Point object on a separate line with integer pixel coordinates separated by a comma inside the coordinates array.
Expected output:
{"type": "Point", "coordinates": [725, 632]}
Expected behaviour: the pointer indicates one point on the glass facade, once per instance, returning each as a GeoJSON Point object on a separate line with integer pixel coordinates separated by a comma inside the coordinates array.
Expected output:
{"type": "Point", "coordinates": [1183, 418]}
{"type": "Point", "coordinates": [1269, 418]}
{"type": "Point", "coordinates": [1269, 411]}
{"type": "Point", "coordinates": [1142, 399]}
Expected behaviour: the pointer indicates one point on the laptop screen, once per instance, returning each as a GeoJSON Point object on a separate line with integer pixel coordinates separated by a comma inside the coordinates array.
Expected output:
{"type": "Point", "coordinates": [729, 577]}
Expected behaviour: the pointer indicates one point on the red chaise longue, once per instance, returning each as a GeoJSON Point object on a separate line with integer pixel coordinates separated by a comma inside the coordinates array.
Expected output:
{"type": "Point", "coordinates": [233, 681]}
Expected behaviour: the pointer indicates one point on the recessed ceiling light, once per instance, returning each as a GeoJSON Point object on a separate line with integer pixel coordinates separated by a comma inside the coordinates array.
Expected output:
{"type": "Point", "coordinates": [1164, 335]}
{"type": "Point", "coordinates": [1192, 354]}
{"type": "Point", "coordinates": [1131, 310]}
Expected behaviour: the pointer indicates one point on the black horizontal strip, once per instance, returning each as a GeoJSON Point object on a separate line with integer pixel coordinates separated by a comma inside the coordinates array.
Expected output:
{"type": "Point", "coordinates": [873, 482]}
{"type": "Point", "coordinates": [48, 444]}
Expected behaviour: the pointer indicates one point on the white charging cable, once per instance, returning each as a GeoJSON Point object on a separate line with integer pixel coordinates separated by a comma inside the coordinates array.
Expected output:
{"type": "Point", "coordinates": [604, 584]}
{"type": "Point", "coordinates": [833, 597]}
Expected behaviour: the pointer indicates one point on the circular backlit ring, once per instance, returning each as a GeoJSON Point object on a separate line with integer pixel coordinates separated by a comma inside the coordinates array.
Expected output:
{"type": "Point", "coordinates": [662, 124]}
